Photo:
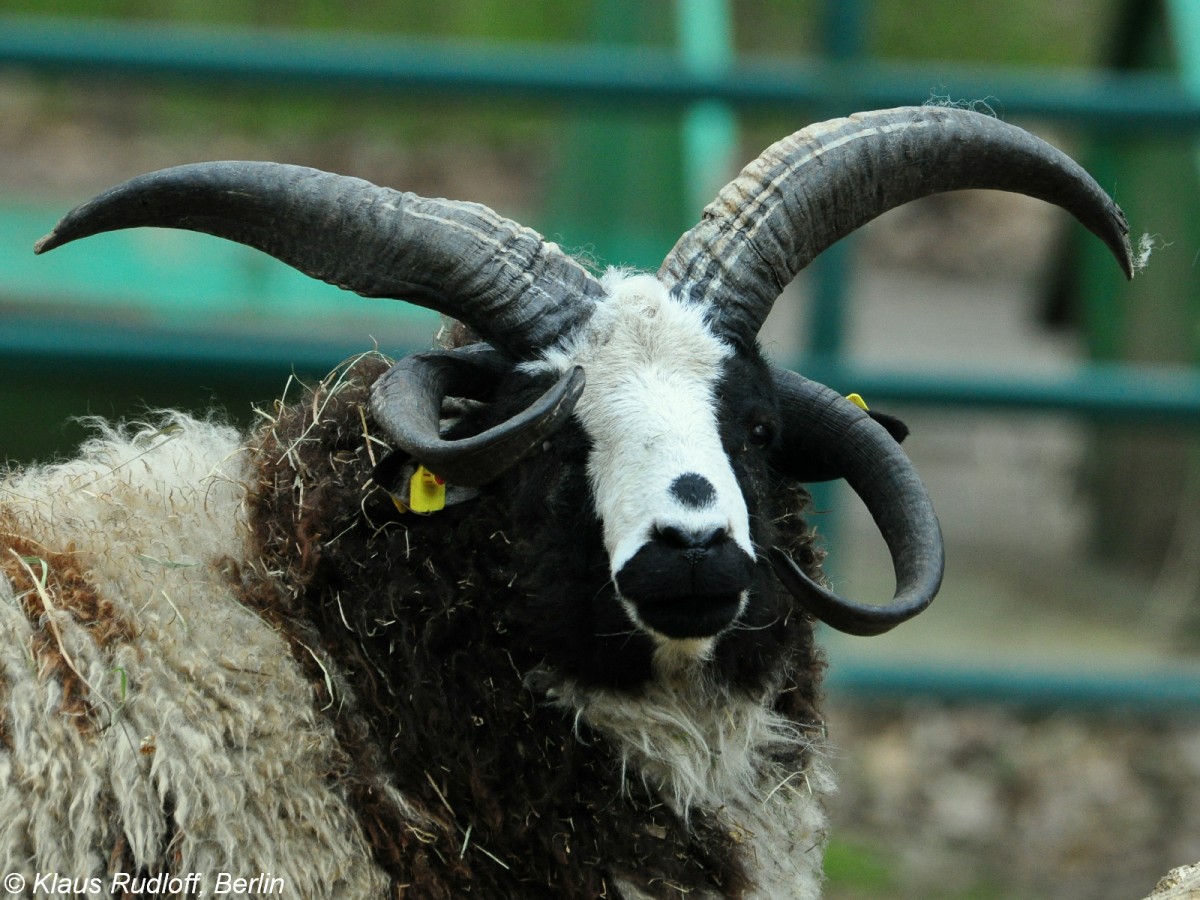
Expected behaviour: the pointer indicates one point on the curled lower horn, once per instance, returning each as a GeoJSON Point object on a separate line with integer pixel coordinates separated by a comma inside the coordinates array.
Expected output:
{"type": "Point", "coordinates": [821, 425]}
{"type": "Point", "coordinates": [816, 186]}
{"type": "Point", "coordinates": [407, 402]}
{"type": "Point", "coordinates": [516, 290]}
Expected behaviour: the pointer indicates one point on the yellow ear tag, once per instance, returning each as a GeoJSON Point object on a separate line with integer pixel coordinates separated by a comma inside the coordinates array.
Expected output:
{"type": "Point", "coordinates": [858, 401]}
{"type": "Point", "coordinates": [426, 492]}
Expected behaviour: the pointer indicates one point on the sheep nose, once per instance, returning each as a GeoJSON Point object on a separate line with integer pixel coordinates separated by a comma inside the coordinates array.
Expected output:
{"type": "Point", "coordinates": [694, 490]}
{"type": "Point", "coordinates": [694, 543]}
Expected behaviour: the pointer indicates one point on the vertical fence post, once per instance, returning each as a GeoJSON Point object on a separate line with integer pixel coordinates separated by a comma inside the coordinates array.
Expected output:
{"type": "Point", "coordinates": [710, 131]}
{"type": "Point", "coordinates": [842, 34]}
{"type": "Point", "coordinates": [619, 191]}
{"type": "Point", "coordinates": [1148, 484]}
{"type": "Point", "coordinates": [843, 37]}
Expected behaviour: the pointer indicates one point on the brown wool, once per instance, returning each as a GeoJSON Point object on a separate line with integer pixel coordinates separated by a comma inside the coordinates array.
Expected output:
{"type": "Point", "coordinates": [65, 588]}
{"type": "Point", "coordinates": [5, 737]}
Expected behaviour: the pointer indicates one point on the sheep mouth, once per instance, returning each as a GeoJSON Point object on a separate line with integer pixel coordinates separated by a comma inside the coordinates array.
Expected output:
{"type": "Point", "coordinates": [689, 617]}
{"type": "Point", "coordinates": [685, 595]}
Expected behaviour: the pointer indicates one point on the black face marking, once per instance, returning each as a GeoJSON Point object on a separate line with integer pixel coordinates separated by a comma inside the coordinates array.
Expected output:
{"type": "Point", "coordinates": [693, 490]}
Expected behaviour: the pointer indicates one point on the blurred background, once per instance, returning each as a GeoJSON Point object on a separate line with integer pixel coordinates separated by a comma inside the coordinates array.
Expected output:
{"type": "Point", "coordinates": [1037, 732]}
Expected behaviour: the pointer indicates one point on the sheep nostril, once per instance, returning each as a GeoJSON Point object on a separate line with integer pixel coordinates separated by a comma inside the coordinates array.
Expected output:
{"type": "Point", "coordinates": [693, 541]}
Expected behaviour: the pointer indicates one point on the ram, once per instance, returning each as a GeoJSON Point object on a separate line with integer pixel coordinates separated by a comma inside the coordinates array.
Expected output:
{"type": "Point", "coordinates": [588, 669]}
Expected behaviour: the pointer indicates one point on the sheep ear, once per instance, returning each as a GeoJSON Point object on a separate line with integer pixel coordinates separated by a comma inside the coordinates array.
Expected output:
{"type": "Point", "coordinates": [808, 469]}
{"type": "Point", "coordinates": [892, 425]}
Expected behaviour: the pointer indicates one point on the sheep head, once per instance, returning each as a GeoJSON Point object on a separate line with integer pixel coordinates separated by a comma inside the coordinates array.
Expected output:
{"type": "Point", "coordinates": [679, 424]}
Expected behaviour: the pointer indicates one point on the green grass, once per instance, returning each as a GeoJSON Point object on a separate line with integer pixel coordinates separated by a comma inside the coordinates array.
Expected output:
{"type": "Point", "coordinates": [1009, 32]}
{"type": "Point", "coordinates": [853, 869]}
{"type": "Point", "coordinates": [861, 870]}
{"type": "Point", "coordinates": [1016, 32]}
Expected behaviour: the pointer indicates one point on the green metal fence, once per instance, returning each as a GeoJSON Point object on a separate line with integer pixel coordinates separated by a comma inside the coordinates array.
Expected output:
{"type": "Point", "coordinates": [702, 77]}
{"type": "Point", "coordinates": [600, 76]}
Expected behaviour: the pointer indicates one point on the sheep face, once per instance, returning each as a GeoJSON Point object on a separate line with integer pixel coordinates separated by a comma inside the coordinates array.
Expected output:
{"type": "Point", "coordinates": [673, 435]}
{"type": "Point", "coordinates": [674, 516]}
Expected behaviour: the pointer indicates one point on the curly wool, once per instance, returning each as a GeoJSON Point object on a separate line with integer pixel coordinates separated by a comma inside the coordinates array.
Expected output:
{"type": "Point", "coordinates": [248, 661]}
{"type": "Point", "coordinates": [151, 722]}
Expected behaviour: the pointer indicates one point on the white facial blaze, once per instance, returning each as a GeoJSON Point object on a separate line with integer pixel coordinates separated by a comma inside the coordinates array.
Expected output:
{"type": "Point", "coordinates": [649, 407]}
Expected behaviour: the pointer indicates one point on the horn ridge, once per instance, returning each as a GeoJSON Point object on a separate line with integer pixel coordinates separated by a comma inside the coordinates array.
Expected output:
{"type": "Point", "coordinates": [812, 188]}
{"type": "Point", "coordinates": [512, 287]}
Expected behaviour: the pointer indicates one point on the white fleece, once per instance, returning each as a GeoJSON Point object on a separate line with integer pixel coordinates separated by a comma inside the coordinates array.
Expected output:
{"type": "Point", "coordinates": [202, 729]}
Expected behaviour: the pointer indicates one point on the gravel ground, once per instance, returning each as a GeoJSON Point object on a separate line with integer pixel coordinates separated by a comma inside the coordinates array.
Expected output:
{"type": "Point", "coordinates": [988, 802]}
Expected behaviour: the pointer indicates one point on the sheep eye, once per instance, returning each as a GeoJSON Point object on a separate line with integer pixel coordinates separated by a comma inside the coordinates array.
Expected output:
{"type": "Point", "coordinates": [761, 434]}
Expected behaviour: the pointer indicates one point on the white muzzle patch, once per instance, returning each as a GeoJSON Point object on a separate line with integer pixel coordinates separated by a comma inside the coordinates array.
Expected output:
{"type": "Point", "coordinates": [658, 468]}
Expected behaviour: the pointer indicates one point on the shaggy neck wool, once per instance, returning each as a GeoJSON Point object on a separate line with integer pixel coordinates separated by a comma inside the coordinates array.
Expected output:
{"type": "Point", "coordinates": [703, 749]}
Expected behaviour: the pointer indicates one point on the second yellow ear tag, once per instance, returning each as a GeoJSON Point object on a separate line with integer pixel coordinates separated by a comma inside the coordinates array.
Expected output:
{"type": "Point", "coordinates": [858, 401]}
{"type": "Point", "coordinates": [426, 492]}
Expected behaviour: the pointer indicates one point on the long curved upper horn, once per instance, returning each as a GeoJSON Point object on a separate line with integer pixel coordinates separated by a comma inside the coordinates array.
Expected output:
{"type": "Point", "coordinates": [816, 186]}
{"type": "Point", "coordinates": [513, 288]}
{"type": "Point", "coordinates": [822, 425]}
{"type": "Point", "coordinates": [407, 402]}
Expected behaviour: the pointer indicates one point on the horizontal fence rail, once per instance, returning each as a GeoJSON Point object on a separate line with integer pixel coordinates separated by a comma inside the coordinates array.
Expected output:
{"type": "Point", "coordinates": [1149, 395]}
{"type": "Point", "coordinates": [1156, 691]}
{"type": "Point", "coordinates": [275, 59]}
{"type": "Point", "coordinates": [1159, 396]}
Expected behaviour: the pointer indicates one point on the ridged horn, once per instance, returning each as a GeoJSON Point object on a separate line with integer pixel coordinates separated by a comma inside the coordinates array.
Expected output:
{"type": "Point", "coordinates": [810, 189]}
{"type": "Point", "coordinates": [512, 287]}
{"type": "Point", "coordinates": [407, 402]}
{"type": "Point", "coordinates": [820, 424]}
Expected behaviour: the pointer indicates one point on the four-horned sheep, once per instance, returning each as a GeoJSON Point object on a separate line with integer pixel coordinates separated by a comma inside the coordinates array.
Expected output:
{"type": "Point", "coordinates": [527, 615]}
